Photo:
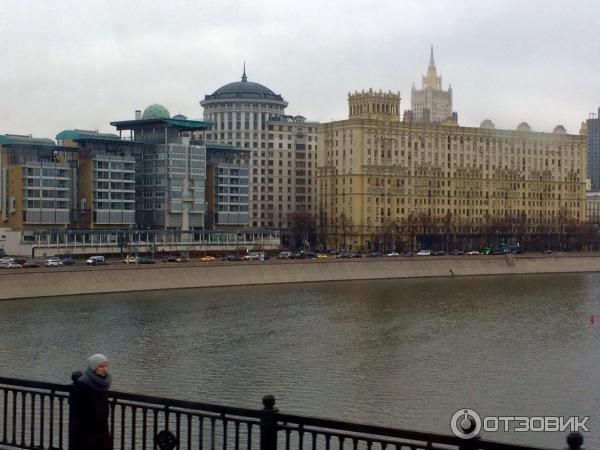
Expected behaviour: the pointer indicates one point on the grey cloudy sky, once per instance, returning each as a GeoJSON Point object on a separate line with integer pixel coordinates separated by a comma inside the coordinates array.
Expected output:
{"type": "Point", "coordinates": [80, 64]}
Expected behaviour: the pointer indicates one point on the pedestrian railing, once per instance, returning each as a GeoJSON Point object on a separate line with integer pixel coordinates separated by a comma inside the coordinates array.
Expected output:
{"type": "Point", "coordinates": [34, 415]}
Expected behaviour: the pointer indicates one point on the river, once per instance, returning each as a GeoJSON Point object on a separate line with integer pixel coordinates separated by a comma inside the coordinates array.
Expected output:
{"type": "Point", "coordinates": [401, 353]}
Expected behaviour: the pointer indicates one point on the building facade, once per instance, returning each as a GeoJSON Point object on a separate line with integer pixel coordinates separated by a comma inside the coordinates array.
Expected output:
{"type": "Point", "coordinates": [105, 182]}
{"type": "Point", "coordinates": [283, 149]}
{"type": "Point", "coordinates": [36, 183]}
{"type": "Point", "coordinates": [171, 173]}
{"type": "Point", "coordinates": [593, 144]}
{"type": "Point", "coordinates": [227, 186]}
{"type": "Point", "coordinates": [431, 104]}
{"type": "Point", "coordinates": [387, 183]}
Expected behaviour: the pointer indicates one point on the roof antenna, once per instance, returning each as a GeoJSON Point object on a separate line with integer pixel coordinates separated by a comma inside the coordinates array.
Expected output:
{"type": "Point", "coordinates": [244, 77]}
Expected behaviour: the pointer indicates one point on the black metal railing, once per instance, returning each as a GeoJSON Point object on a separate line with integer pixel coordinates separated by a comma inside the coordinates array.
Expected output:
{"type": "Point", "coordinates": [34, 415]}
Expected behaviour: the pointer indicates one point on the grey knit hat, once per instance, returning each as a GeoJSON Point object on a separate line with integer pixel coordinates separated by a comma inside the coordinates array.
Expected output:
{"type": "Point", "coordinates": [95, 360]}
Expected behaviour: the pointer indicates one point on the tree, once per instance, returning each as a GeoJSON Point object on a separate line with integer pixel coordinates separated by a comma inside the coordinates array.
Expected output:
{"type": "Point", "coordinates": [345, 228]}
{"type": "Point", "coordinates": [303, 231]}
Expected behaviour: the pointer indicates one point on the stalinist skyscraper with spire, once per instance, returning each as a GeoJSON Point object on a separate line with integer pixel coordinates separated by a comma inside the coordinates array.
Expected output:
{"type": "Point", "coordinates": [431, 104]}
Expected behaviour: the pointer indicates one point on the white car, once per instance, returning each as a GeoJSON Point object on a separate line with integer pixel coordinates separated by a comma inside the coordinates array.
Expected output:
{"type": "Point", "coordinates": [13, 265]}
{"type": "Point", "coordinates": [393, 254]}
{"type": "Point", "coordinates": [473, 252]}
{"type": "Point", "coordinates": [6, 261]}
{"type": "Point", "coordinates": [424, 253]}
{"type": "Point", "coordinates": [54, 262]}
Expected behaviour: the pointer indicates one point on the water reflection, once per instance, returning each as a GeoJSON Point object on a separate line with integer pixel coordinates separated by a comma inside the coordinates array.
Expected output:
{"type": "Point", "coordinates": [404, 353]}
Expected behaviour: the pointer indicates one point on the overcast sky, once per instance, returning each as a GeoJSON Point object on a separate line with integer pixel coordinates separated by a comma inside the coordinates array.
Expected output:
{"type": "Point", "coordinates": [83, 63]}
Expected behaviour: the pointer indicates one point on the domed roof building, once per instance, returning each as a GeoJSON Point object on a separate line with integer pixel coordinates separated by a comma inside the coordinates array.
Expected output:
{"type": "Point", "coordinates": [523, 126]}
{"type": "Point", "coordinates": [559, 129]}
{"type": "Point", "coordinates": [156, 111]}
{"type": "Point", "coordinates": [249, 115]}
{"type": "Point", "coordinates": [244, 91]}
{"type": "Point", "coordinates": [487, 124]}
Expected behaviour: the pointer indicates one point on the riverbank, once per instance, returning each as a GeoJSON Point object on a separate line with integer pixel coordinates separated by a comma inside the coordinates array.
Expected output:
{"type": "Point", "coordinates": [111, 279]}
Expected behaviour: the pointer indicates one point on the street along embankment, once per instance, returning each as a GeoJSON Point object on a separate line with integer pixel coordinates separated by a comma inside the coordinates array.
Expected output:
{"type": "Point", "coordinates": [29, 283]}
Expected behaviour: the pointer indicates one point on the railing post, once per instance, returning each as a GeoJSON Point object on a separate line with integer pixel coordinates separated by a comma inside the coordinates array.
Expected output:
{"type": "Point", "coordinates": [268, 424]}
{"type": "Point", "coordinates": [574, 441]}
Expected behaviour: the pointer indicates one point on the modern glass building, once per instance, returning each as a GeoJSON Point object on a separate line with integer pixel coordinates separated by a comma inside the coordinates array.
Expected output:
{"type": "Point", "coordinates": [593, 145]}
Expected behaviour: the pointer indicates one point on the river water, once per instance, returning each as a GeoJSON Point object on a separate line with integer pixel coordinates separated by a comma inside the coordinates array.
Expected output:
{"type": "Point", "coordinates": [401, 353]}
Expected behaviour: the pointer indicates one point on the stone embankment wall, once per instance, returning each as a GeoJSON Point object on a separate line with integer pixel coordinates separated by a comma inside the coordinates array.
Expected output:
{"type": "Point", "coordinates": [117, 278]}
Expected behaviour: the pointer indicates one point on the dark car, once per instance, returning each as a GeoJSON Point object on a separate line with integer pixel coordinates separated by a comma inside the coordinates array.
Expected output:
{"type": "Point", "coordinates": [68, 261]}
{"type": "Point", "coordinates": [170, 259]}
{"type": "Point", "coordinates": [356, 255]}
{"type": "Point", "coordinates": [19, 261]}
{"type": "Point", "coordinates": [231, 258]}
{"type": "Point", "coordinates": [457, 253]}
{"type": "Point", "coordinates": [147, 261]}
{"type": "Point", "coordinates": [31, 265]}
{"type": "Point", "coordinates": [375, 254]}
{"type": "Point", "coordinates": [409, 253]}
{"type": "Point", "coordinates": [439, 253]}
{"type": "Point", "coordinates": [305, 255]}
{"type": "Point", "coordinates": [547, 252]}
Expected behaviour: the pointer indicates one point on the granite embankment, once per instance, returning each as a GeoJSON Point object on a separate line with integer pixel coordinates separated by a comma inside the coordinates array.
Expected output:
{"type": "Point", "coordinates": [73, 281]}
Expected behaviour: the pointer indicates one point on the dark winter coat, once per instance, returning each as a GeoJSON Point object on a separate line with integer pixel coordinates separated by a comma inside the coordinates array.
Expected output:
{"type": "Point", "coordinates": [88, 413]}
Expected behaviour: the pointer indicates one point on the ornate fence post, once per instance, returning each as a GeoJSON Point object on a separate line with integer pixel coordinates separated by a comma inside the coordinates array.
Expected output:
{"type": "Point", "coordinates": [268, 424]}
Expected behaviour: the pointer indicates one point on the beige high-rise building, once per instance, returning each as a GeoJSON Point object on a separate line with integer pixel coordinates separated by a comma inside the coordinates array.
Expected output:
{"type": "Point", "coordinates": [283, 159]}
{"type": "Point", "coordinates": [431, 104]}
{"type": "Point", "coordinates": [387, 184]}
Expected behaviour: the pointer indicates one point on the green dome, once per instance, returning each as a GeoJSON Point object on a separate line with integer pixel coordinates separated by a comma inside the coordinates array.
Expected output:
{"type": "Point", "coordinates": [156, 112]}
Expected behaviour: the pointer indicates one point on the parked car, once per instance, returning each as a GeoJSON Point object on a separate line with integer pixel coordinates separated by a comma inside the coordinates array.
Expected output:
{"type": "Point", "coordinates": [343, 255]}
{"type": "Point", "coordinates": [96, 261]}
{"type": "Point", "coordinates": [424, 253]}
{"type": "Point", "coordinates": [131, 259]}
{"type": "Point", "coordinates": [321, 256]}
{"type": "Point", "coordinates": [31, 265]}
{"type": "Point", "coordinates": [408, 253]}
{"type": "Point", "coordinates": [393, 254]}
{"type": "Point", "coordinates": [5, 260]}
{"type": "Point", "coordinates": [146, 261]}
{"type": "Point", "coordinates": [473, 252]}
{"type": "Point", "coordinates": [170, 259]}
{"type": "Point", "coordinates": [231, 258]}
{"type": "Point", "coordinates": [375, 254]}
{"type": "Point", "coordinates": [13, 265]}
{"type": "Point", "coordinates": [457, 253]}
{"type": "Point", "coordinates": [68, 262]}
{"type": "Point", "coordinates": [207, 258]}
{"type": "Point", "coordinates": [547, 252]}
{"type": "Point", "coordinates": [54, 262]}
{"type": "Point", "coordinates": [255, 256]}
{"type": "Point", "coordinates": [284, 255]}
{"type": "Point", "coordinates": [356, 255]}
{"type": "Point", "coordinates": [439, 253]}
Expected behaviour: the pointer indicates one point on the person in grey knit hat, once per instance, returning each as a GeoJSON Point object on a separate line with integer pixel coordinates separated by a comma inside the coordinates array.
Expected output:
{"type": "Point", "coordinates": [88, 407]}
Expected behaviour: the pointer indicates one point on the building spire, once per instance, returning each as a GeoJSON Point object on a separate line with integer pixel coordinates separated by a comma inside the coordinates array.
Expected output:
{"type": "Point", "coordinates": [431, 63]}
{"type": "Point", "coordinates": [244, 77]}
